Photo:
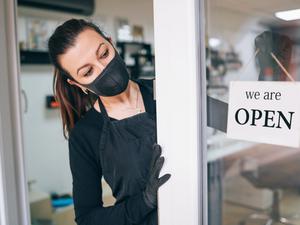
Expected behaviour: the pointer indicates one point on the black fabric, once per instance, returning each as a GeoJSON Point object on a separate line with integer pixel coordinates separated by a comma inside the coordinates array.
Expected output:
{"type": "Point", "coordinates": [120, 150]}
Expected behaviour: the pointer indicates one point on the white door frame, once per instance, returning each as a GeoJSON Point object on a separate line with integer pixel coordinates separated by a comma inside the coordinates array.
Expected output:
{"type": "Point", "coordinates": [14, 206]}
{"type": "Point", "coordinates": [181, 114]}
{"type": "Point", "coordinates": [181, 109]}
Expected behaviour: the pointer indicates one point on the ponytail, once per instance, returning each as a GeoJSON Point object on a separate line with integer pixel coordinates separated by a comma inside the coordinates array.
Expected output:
{"type": "Point", "coordinates": [73, 103]}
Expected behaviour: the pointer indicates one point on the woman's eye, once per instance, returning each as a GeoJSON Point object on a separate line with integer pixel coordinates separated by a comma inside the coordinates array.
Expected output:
{"type": "Point", "coordinates": [88, 72]}
{"type": "Point", "coordinates": [105, 54]}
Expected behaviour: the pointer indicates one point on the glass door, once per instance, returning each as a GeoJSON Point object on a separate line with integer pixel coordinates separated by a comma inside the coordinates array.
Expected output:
{"type": "Point", "coordinates": [249, 182]}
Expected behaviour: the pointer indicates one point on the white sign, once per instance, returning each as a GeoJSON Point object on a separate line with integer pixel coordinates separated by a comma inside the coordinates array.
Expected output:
{"type": "Point", "coordinates": [264, 111]}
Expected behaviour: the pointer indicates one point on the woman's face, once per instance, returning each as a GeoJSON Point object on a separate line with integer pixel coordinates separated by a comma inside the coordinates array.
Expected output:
{"type": "Point", "coordinates": [87, 58]}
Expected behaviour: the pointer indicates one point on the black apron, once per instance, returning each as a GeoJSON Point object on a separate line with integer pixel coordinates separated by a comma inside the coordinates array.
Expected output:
{"type": "Point", "coordinates": [125, 154]}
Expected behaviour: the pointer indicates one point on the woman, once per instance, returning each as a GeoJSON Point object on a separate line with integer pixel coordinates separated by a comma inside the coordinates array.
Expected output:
{"type": "Point", "coordinates": [109, 121]}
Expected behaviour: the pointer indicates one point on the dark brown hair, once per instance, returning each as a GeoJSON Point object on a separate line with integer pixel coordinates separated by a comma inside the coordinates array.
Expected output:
{"type": "Point", "coordinates": [73, 103]}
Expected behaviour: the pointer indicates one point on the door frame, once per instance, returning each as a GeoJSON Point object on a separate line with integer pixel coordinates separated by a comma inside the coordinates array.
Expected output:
{"type": "Point", "coordinates": [14, 206]}
{"type": "Point", "coordinates": [181, 109]}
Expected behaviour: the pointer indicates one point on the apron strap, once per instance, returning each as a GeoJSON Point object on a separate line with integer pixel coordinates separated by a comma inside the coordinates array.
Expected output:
{"type": "Point", "coordinates": [103, 110]}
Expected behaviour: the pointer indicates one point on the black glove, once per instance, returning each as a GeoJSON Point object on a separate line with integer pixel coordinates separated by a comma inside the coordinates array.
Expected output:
{"type": "Point", "coordinates": [280, 45]}
{"type": "Point", "coordinates": [154, 182]}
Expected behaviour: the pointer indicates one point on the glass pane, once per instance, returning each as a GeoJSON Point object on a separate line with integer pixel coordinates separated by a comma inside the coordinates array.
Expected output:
{"type": "Point", "coordinates": [249, 182]}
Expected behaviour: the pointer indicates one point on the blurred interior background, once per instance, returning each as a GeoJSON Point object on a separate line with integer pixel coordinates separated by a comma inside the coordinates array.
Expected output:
{"type": "Point", "coordinates": [248, 183]}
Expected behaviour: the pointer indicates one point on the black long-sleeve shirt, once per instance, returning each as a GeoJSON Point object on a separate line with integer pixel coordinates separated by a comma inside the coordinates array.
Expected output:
{"type": "Point", "coordinates": [86, 174]}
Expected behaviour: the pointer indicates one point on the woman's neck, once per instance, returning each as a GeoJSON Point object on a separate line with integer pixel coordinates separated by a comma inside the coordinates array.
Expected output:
{"type": "Point", "coordinates": [127, 97]}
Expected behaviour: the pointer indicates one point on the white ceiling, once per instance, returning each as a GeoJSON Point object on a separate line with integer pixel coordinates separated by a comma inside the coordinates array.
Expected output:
{"type": "Point", "coordinates": [256, 7]}
{"type": "Point", "coordinates": [231, 18]}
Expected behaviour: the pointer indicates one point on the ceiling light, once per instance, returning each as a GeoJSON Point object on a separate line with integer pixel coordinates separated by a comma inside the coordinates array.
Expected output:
{"type": "Point", "coordinates": [288, 15]}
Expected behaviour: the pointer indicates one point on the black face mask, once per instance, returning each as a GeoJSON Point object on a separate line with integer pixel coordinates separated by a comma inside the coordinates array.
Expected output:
{"type": "Point", "coordinates": [113, 80]}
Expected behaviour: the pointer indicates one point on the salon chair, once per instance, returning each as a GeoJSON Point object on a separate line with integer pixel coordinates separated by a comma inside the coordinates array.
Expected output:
{"type": "Point", "coordinates": [274, 171]}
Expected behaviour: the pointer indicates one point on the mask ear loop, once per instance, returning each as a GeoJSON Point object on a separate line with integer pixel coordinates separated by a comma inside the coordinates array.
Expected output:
{"type": "Point", "coordinates": [85, 91]}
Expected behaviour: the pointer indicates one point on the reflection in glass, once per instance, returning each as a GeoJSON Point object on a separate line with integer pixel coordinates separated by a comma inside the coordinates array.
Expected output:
{"type": "Point", "coordinates": [249, 183]}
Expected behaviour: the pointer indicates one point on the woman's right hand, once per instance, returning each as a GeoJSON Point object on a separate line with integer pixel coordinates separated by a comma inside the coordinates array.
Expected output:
{"type": "Point", "coordinates": [154, 181]}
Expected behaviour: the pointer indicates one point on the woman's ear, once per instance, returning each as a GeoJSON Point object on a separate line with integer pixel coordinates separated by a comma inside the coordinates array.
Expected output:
{"type": "Point", "coordinates": [70, 82]}
{"type": "Point", "coordinates": [73, 82]}
{"type": "Point", "coordinates": [85, 90]}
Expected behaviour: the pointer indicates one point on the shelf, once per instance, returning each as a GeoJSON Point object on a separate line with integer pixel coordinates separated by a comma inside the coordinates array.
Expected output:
{"type": "Point", "coordinates": [34, 57]}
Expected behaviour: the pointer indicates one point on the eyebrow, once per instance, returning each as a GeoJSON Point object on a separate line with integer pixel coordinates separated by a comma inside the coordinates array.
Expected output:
{"type": "Point", "coordinates": [96, 54]}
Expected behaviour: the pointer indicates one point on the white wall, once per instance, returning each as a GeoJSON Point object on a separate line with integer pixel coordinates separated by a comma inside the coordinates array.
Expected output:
{"type": "Point", "coordinates": [45, 148]}
{"type": "Point", "coordinates": [139, 12]}
{"type": "Point", "coordinates": [244, 46]}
